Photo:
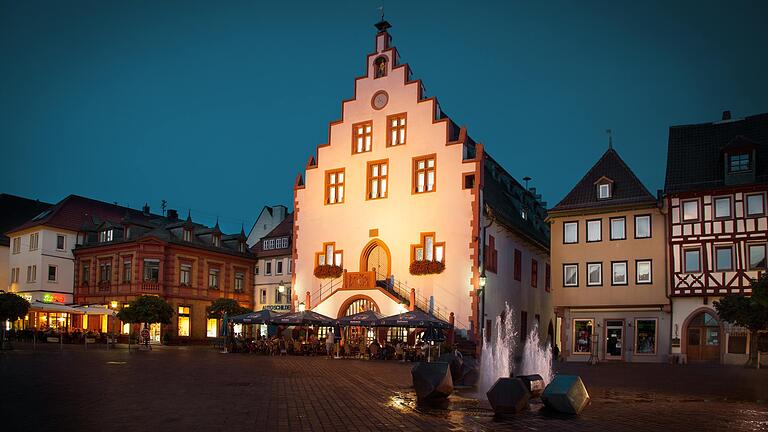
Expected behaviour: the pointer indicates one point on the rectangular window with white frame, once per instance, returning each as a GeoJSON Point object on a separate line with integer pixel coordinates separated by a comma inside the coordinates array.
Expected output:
{"type": "Point", "coordinates": [756, 204]}
{"type": "Point", "coordinates": [52, 273]}
{"type": "Point", "coordinates": [723, 258]}
{"type": "Point", "coordinates": [570, 275]}
{"type": "Point", "coordinates": [279, 267]}
{"type": "Point", "coordinates": [16, 245]}
{"type": "Point", "coordinates": [643, 270]}
{"type": "Point", "coordinates": [756, 256]}
{"type": "Point", "coordinates": [722, 207]}
{"type": "Point", "coordinates": [594, 274]}
{"type": "Point", "coordinates": [570, 232]}
{"type": "Point", "coordinates": [619, 273]}
{"type": "Point", "coordinates": [334, 186]}
{"type": "Point", "coordinates": [618, 228]}
{"type": "Point", "coordinates": [33, 241]}
{"type": "Point", "coordinates": [268, 268]}
{"type": "Point", "coordinates": [239, 282]}
{"type": "Point", "coordinates": [594, 230]}
{"type": "Point", "coordinates": [424, 169]}
{"type": "Point", "coordinates": [61, 242]}
{"type": "Point", "coordinates": [185, 276]}
{"type": "Point", "coordinates": [290, 266]}
{"type": "Point", "coordinates": [604, 191]}
{"type": "Point", "coordinates": [690, 210]}
{"type": "Point", "coordinates": [692, 260]}
{"type": "Point", "coordinates": [642, 226]}
{"type": "Point", "coordinates": [263, 296]}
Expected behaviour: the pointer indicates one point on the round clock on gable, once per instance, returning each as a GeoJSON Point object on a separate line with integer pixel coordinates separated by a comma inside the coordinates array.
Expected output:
{"type": "Point", "coordinates": [379, 100]}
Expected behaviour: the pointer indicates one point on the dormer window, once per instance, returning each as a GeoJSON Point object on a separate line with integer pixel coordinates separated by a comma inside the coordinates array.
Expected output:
{"type": "Point", "coordinates": [187, 235]}
{"type": "Point", "coordinates": [380, 67]}
{"type": "Point", "coordinates": [604, 191]}
{"type": "Point", "coordinates": [216, 240]}
{"type": "Point", "coordinates": [106, 236]}
{"type": "Point", "coordinates": [739, 163]}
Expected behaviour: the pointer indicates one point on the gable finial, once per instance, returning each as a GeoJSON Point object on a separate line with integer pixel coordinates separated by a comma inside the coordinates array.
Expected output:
{"type": "Point", "coordinates": [381, 9]}
{"type": "Point", "coordinates": [610, 138]}
{"type": "Point", "coordinates": [382, 25]}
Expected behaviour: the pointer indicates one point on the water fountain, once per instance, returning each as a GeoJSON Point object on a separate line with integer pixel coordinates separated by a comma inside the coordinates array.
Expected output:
{"type": "Point", "coordinates": [537, 358]}
{"type": "Point", "coordinates": [497, 358]}
{"type": "Point", "coordinates": [498, 355]}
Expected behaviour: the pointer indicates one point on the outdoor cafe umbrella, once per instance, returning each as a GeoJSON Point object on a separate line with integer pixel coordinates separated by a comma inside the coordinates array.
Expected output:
{"type": "Point", "coordinates": [363, 319]}
{"type": "Point", "coordinates": [303, 318]}
{"type": "Point", "coordinates": [414, 318]}
{"type": "Point", "coordinates": [264, 316]}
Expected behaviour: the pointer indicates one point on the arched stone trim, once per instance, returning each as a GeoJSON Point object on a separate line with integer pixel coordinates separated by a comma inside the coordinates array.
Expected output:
{"type": "Point", "coordinates": [687, 322]}
{"type": "Point", "coordinates": [351, 300]}
{"type": "Point", "coordinates": [367, 251]}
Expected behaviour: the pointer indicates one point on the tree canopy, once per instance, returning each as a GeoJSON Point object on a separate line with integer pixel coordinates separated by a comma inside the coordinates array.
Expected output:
{"type": "Point", "coordinates": [224, 305]}
{"type": "Point", "coordinates": [750, 312]}
{"type": "Point", "coordinates": [12, 307]}
{"type": "Point", "coordinates": [147, 309]}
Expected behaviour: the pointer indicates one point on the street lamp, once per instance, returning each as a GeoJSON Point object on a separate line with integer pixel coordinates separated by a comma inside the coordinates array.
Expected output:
{"type": "Point", "coordinates": [281, 287]}
{"type": "Point", "coordinates": [302, 307]}
{"type": "Point", "coordinates": [113, 304]}
{"type": "Point", "coordinates": [483, 279]}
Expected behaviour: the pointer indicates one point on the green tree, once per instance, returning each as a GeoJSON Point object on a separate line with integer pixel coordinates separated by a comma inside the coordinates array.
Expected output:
{"type": "Point", "coordinates": [749, 312]}
{"type": "Point", "coordinates": [12, 307]}
{"type": "Point", "coordinates": [145, 310]}
{"type": "Point", "coordinates": [224, 305]}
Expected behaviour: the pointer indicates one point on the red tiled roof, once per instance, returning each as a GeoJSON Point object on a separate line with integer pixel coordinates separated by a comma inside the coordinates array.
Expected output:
{"type": "Point", "coordinates": [74, 211]}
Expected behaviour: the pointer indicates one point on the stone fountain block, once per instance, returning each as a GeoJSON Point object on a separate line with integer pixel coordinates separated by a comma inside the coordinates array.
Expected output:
{"type": "Point", "coordinates": [455, 363]}
{"type": "Point", "coordinates": [508, 396]}
{"type": "Point", "coordinates": [432, 381]}
{"type": "Point", "coordinates": [470, 373]}
{"type": "Point", "coordinates": [534, 384]}
{"type": "Point", "coordinates": [566, 394]}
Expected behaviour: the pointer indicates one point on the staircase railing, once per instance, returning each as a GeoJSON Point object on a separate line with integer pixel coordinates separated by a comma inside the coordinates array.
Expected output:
{"type": "Point", "coordinates": [325, 290]}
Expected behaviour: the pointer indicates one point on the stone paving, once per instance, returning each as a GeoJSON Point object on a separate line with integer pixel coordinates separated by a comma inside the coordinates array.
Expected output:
{"type": "Point", "coordinates": [200, 389]}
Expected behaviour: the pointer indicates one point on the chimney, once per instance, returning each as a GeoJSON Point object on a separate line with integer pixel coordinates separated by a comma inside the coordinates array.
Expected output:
{"type": "Point", "coordinates": [172, 214]}
{"type": "Point", "coordinates": [145, 209]}
{"type": "Point", "coordinates": [726, 115]}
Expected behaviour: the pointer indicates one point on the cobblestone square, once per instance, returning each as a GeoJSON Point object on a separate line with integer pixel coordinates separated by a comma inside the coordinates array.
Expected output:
{"type": "Point", "coordinates": [201, 389]}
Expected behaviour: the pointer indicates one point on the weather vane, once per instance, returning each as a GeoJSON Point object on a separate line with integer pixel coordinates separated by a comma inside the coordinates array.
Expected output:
{"type": "Point", "coordinates": [381, 9]}
{"type": "Point", "coordinates": [610, 138]}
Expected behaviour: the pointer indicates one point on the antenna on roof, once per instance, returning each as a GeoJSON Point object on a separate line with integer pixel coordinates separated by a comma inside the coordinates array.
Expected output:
{"type": "Point", "coordinates": [526, 179]}
{"type": "Point", "coordinates": [610, 138]}
{"type": "Point", "coordinates": [163, 204]}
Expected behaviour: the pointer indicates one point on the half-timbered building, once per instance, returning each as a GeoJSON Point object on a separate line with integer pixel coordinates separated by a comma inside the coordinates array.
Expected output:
{"type": "Point", "coordinates": [716, 183]}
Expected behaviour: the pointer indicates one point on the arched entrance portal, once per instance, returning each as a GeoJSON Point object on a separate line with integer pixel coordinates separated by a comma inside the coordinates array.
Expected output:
{"type": "Point", "coordinates": [376, 257]}
{"type": "Point", "coordinates": [353, 305]}
{"type": "Point", "coordinates": [703, 338]}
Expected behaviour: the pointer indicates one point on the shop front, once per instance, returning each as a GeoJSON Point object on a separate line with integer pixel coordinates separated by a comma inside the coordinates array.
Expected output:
{"type": "Point", "coordinates": [596, 335]}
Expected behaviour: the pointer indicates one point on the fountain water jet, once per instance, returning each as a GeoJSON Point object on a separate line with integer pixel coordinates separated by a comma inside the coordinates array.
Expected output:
{"type": "Point", "coordinates": [537, 358]}
{"type": "Point", "coordinates": [497, 359]}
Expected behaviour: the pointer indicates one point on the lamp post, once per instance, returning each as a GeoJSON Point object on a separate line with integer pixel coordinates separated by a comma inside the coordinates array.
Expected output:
{"type": "Point", "coordinates": [483, 279]}
{"type": "Point", "coordinates": [113, 306]}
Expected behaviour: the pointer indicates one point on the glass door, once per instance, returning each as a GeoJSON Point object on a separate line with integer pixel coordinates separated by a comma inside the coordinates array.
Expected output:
{"type": "Point", "coordinates": [614, 343]}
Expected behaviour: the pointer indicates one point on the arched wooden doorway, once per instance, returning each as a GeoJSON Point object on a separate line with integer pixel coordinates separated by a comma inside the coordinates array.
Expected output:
{"type": "Point", "coordinates": [376, 257]}
{"type": "Point", "coordinates": [703, 337]}
{"type": "Point", "coordinates": [353, 305]}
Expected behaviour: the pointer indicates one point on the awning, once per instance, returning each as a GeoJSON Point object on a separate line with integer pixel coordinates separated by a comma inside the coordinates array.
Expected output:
{"type": "Point", "coordinates": [52, 307]}
{"type": "Point", "coordinates": [306, 318]}
{"type": "Point", "coordinates": [94, 310]}
{"type": "Point", "coordinates": [264, 316]}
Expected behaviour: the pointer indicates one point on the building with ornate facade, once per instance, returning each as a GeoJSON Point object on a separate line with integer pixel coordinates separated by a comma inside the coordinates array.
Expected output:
{"type": "Point", "coordinates": [716, 184]}
{"type": "Point", "coordinates": [609, 268]}
{"type": "Point", "coordinates": [402, 209]}
{"type": "Point", "coordinates": [187, 264]}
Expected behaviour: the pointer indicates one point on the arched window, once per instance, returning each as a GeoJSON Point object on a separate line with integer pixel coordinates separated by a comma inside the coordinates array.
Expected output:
{"type": "Point", "coordinates": [380, 67]}
{"type": "Point", "coordinates": [361, 305]}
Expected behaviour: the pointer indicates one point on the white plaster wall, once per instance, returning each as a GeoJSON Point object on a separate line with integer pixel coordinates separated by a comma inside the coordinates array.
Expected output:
{"type": "Point", "coordinates": [401, 217]}
{"type": "Point", "coordinates": [5, 269]}
{"type": "Point", "coordinates": [271, 282]}
{"type": "Point", "coordinates": [46, 254]}
{"type": "Point", "coordinates": [331, 306]}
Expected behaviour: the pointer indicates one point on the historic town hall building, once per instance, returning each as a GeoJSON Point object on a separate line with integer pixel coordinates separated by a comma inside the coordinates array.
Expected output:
{"type": "Point", "coordinates": [716, 183]}
{"type": "Point", "coordinates": [400, 208]}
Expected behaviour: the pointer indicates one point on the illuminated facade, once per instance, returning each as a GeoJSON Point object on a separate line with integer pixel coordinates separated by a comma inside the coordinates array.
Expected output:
{"type": "Point", "coordinates": [395, 210]}
{"type": "Point", "coordinates": [274, 268]}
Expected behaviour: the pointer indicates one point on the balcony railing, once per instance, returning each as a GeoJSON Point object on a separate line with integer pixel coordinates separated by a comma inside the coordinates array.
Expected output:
{"type": "Point", "coordinates": [150, 286]}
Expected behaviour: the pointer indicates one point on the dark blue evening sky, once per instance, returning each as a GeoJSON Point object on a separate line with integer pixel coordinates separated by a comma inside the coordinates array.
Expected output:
{"type": "Point", "coordinates": [216, 106]}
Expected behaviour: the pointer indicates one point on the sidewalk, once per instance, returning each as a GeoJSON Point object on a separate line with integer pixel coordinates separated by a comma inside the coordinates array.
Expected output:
{"type": "Point", "coordinates": [705, 382]}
